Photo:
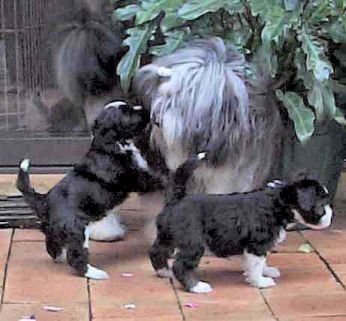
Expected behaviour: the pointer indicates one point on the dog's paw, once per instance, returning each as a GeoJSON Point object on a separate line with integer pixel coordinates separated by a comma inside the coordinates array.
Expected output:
{"type": "Point", "coordinates": [108, 229]}
{"type": "Point", "coordinates": [95, 273]}
{"type": "Point", "coordinates": [271, 271]}
{"type": "Point", "coordinates": [164, 273]}
{"type": "Point", "coordinates": [261, 283]}
{"type": "Point", "coordinates": [201, 287]}
{"type": "Point", "coordinates": [62, 258]}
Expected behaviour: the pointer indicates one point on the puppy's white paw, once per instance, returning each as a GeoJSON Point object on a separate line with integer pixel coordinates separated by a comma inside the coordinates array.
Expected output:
{"type": "Point", "coordinates": [261, 282]}
{"type": "Point", "coordinates": [201, 287]}
{"type": "Point", "coordinates": [62, 258]}
{"type": "Point", "coordinates": [95, 273]}
{"type": "Point", "coordinates": [271, 271]}
{"type": "Point", "coordinates": [164, 273]}
{"type": "Point", "coordinates": [108, 229]}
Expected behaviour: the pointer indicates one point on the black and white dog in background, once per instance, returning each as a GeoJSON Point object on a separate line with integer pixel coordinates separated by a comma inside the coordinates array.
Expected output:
{"type": "Point", "coordinates": [112, 168]}
{"type": "Point", "coordinates": [241, 223]}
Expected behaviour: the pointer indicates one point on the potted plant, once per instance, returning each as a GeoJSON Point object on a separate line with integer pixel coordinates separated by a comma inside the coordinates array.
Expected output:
{"type": "Point", "coordinates": [301, 43]}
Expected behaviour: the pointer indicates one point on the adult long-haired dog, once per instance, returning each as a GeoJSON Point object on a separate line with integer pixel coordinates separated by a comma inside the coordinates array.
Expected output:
{"type": "Point", "coordinates": [200, 100]}
{"type": "Point", "coordinates": [241, 223]}
{"type": "Point", "coordinates": [111, 169]}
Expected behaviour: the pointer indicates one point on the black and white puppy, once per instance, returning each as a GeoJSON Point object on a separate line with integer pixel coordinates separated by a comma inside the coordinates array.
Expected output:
{"type": "Point", "coordinates": [111, 169]}
{"type": "Point", "coordinates": [241, 223]}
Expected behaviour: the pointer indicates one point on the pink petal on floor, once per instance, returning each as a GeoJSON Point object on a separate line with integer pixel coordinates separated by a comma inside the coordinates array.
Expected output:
{"type": "Point", "coordinates": [127, 275]}
{"type": "Point", "coordinates": [191, 305]}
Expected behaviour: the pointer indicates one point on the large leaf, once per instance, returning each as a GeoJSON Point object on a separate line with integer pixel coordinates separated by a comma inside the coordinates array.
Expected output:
{"type": "Point", "coordinates": [126, 13]}
{"type": "Point", "coordinates": [316, 60]}
{"type": "Point", "coordinates": [302, 117]}
{"type": "Point", "coordinates": [137, 42]}
{"type": "Point", "coordinates": [320, 11]}
{"type": "Point", "coordinates": [276, 21]}
{"type": "Point", "coordinates": [321, 97]}
{"type": "Point", "coordinates": [337, 30]}
{"type": "Point", "coordinates": [173, 40]}
{"type": "Point", "coordinates": [263, 8]}
{"type": "Point", "coordinates": [290, 4]}
{"type": "Point", "coordinates": [306, 76]}
{"type": "Point", "coordinates": [195, 8]}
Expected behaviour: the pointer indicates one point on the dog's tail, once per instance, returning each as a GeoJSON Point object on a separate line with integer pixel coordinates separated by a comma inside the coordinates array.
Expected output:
{"type": "Point", "coordinates": [177, 190]}
{"type": "Point", "coordinates": [37, 201]}
{"type": "Point", "coordinates": [87, 53]}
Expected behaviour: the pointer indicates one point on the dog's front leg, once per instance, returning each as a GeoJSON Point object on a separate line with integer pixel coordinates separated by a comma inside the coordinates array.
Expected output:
{"type": "Point", "coordinates": [78, 257]}
{"type": "Point", "coordinates": [254, 270]}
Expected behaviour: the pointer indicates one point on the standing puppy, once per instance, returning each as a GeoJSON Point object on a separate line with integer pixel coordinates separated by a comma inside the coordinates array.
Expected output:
{"type": "Point", "coordinates": [111, 169]}
{"type": "Point", "coordinates": [242, 223]}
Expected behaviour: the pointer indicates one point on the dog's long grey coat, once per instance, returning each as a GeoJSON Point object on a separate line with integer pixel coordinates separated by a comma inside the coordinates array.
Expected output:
{"type": "Point", "coordinates": [206, 104]}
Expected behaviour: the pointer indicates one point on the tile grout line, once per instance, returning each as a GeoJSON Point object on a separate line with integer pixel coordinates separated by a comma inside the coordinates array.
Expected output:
{"type": "Point", "coordinates": [337, 279]}
{"type": "Point", "coordinates": [6, 269]}
{"type": "Point", "coordinates": [178, 299]}
{"type": "Point", "coordinates": [268, 305]}
{"type": "Point", "coordinates": [89, 300]}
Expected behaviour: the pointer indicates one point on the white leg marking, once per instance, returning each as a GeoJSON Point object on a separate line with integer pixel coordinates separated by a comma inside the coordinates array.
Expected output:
{"type": "Point", "coordinates": [62, 258]}
{"type": "Point", "coordinates": [201, 287]}
{"type": "Point", "coordinates": [96, 274]}
{"type": "Point", "coordinates": [325, 189]}
{"type": "Point", "coordinates": [86, 237]}
{"type": "Point", "coordinates": [24, 165]}
{"type": "Point", "coordinates": [164, 273]}
{"type": "Point", "coordinates": [282, 236]}
{"type": "Point", "coordinates": [107, 229]}
{"type": "Point", "coordinates": [201, 156]}
{"type": "Point", "coordinates": [254, 265]}
{"type": "Point", "coordinates": [136, 154]}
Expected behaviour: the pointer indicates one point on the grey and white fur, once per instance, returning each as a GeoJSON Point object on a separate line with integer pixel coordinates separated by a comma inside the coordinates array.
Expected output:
{"type": "Point", "coordinates": [200, 100]}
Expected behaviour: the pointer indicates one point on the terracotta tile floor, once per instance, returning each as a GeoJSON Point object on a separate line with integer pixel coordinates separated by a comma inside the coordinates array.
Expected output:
{"type": "Point", "coordinates": [311, 288]}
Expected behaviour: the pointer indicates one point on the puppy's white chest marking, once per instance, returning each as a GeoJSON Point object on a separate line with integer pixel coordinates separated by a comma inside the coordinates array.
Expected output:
{"type": "Point", "coordinates": [282, 236]}
{"type": "Point", "coordinates": [138, 158]}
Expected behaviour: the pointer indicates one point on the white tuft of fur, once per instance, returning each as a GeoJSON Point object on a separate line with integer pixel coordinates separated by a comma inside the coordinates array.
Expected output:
{"type": "Point", "coordinates": [137, 156]}
{"type": "Point", "coordinates": [25, 164]}
{"type": "Point", "coordinates": [86, 237]}
{"type": "Point", "coordinates": [108, 229]}
{"type": "Point", "coordinates": [201, 287]}
{"type": "Point", "coordinates": [326, 219]}
{"type": "Point", "coordinates": [164, 72]}
{"type": "Point", "coordinates": [282, 236]}
{"type": "Point", "coordinates": [95, 273]}
{"type": "Point", "coordinates": [165, 273]}
{"type": "Point", "coordinates": [325, 189]}
{"type": "Point", "coordinates": [201, 156]}
{"type": "Point", "coordinates": [62, 258]}
{"type": "Point", "coordinates": [137, 107]}
{"type": "Point", "coordinates": [115, 104]}
{"type": "Point", "coordinates": [271, 185]}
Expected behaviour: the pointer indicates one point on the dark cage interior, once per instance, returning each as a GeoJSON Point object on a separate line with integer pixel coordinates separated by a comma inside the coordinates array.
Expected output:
{"type": "Point", "coordinates": [27, 82]}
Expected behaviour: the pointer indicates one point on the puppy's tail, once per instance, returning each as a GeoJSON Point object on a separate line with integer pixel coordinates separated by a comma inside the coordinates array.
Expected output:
{"type": "Point", "coordinates": [35, 200]}
{"type": "Point", "coordinates": [177, 189]}
{"type": "Point", "coordinates": [87, 52]}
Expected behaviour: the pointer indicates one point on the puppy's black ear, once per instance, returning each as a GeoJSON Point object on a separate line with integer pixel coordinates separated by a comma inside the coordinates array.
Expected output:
{"type": "Point", "coordinates": [306, 198]}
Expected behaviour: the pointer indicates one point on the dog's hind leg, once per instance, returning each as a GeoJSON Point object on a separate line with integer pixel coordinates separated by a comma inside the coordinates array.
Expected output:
{"type": "Point", "coordinates": [254, 269]}
{"type": "Point", "coordinates": [78, 257]}
{"type": "Point", "coordinates": [159, 254]}
{"type": "Point", "coordinates": [187, 260]}
{"type": "Point", "coordinates": [55, 250]}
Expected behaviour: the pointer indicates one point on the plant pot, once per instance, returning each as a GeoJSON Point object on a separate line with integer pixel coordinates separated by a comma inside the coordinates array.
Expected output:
{"type": "Point", "coordinates": [322, 156]}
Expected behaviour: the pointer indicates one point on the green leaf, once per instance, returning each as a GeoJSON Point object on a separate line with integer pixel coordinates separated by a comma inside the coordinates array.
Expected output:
{"type": "Point", "coordinates": [275, 24]}
{"type": "Point", "coordinates": [321, 97]}
{"type": "Point", "coordinates": [320, 12]}
{"type": "Point", "coordinates": [337, 30]}
{"type": "Point", "coordinates": [173, 40]}
{"type": "Point", "coordinates": [171, 20]}
{"type": "Point", "coordinates": [263, 8]}
{"type": "Point", "coordinates": [316, 60]}
{"type": "Point", "coordinates": [339, 117]}
{"type": "Point", "coordinates": [137, 42]}
{"type": "Point", "coordinates": [126, 13]}
{"type": "Point", "coordinates": [302, 117]}
{"type": "Point", "coordinates": [196, 8]}
{"type": "Point", "coordinates": [306, 76]}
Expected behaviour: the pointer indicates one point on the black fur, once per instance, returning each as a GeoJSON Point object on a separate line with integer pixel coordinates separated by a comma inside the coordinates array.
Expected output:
{"type": "Point", "coordinates": [102, 180]}
{"type": "Point", "coordinates": [230, 224]}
